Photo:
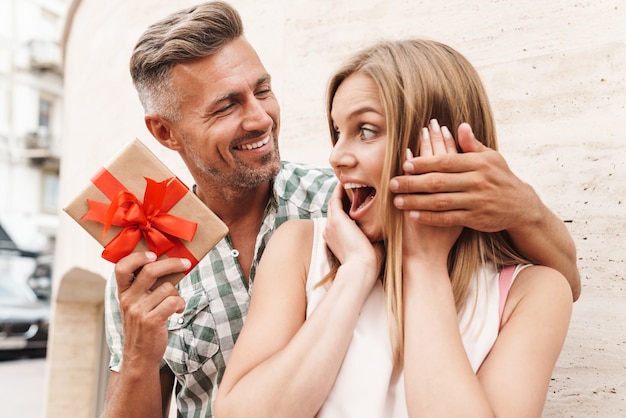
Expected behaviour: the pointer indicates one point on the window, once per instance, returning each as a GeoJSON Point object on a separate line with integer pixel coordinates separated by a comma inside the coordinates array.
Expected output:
{"type": "Point", "coordinates": [50, 191]}
{"type": "Point", "coordinates": [45, 109]}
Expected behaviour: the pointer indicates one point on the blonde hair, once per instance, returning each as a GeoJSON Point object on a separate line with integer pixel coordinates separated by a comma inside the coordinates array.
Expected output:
{"type": "Point", "coordinates": [419, 80]}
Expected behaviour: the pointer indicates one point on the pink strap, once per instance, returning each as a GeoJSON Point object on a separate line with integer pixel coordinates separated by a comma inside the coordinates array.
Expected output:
{"type": "Point", "coordinates": [505, 281]}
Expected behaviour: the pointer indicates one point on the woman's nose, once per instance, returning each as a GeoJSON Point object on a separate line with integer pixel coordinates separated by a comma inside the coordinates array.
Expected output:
{"type": "Point", "coordinates": [340, 156]}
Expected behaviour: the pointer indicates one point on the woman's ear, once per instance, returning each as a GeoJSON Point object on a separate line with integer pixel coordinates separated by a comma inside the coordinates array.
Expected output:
{"type": "Point", "coordinates": [163, 131]}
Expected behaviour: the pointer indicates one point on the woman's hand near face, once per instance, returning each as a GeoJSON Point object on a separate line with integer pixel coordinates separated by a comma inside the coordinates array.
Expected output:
{"type": "Point", "coordinates": [477, 189]}
{"type": "Point", "coordinates": [433, 349]}
{"type": "Point", "coordinates": [430, 243]}
{"type": "Point", "coordinates": [346, 240]}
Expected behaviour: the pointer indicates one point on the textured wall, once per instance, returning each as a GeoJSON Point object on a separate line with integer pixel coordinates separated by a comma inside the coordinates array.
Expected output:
{"type": "Point", "coordinates": [556, 74]}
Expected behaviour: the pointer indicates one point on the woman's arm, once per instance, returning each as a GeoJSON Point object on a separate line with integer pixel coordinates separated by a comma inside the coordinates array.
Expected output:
{"type": "Point", "coordinates": [283, 365]}
{"type": "Point", "coordinates": [514, 377]}
{"type": "Point", "coordinates": [516, 373]}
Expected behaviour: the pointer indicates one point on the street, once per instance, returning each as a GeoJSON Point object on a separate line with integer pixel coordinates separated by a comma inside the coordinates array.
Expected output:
{"type": "Point", "coordinates": [22, 386]}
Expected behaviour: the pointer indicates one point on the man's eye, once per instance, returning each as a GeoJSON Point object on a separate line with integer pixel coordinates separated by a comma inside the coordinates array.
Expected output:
{"type": "Point", "coordinates": [264, 92]}
{"type": "Point", "coordinates": [224, 109]}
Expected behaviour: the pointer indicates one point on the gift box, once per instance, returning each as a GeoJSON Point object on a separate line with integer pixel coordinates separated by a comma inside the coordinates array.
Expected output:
{"type": "Point", "coordinates": [135, 203]}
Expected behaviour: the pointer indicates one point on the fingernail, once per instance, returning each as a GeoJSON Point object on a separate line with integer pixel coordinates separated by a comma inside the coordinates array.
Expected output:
{"type": "Point", "coordinates": [414, 214]}
{"type": "Point", "coordinates": [398, 201]}
{"type": "Point", "coordinates": [151, 256]}
{"type": "Point", "coordinates": [408, 154]}
{"type": "Point", "coordinates": [408, 167]}
{"type": "Point", "coordinates": [446, 132]}
{"type": "Point", "coordinates": [186, 263]}
{"type": "Point", "coordinates": [434, 125]}
{"type": "Point", "coordinates": [425, 134]}
{"type": "Point", "coordinates": [393, 185]}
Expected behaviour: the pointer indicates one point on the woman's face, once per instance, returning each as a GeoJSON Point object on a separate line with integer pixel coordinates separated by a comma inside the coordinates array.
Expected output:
{"type": "Point", "coordinates": [359, 152]}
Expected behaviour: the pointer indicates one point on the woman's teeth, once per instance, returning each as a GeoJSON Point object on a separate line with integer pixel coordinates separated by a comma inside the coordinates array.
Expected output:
{"type": "Point", "coordinates": [254, 145]}
{"type": "Point", "coordinates": [353, 186]}
{"type": "Point", "coordinates": [361, 194]}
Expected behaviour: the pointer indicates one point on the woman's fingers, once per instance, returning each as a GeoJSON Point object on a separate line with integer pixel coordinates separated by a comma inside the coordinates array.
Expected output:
{"type": "Point", "coordinates": [448, 141]}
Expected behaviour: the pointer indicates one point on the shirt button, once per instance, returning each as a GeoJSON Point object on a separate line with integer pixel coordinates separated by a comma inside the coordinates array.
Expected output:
{"type": "Point", "coordinates": [234, 253]}
{"type": "Point", "coordinates": [181, 320]}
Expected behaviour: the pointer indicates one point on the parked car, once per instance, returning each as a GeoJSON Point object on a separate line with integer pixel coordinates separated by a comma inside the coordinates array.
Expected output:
{"type": "Point", "coordinates": [24, 321]}
{"type": "Point", "coordinates": [41, 278]}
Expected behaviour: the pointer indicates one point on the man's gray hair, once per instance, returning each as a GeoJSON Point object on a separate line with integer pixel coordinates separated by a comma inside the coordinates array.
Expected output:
{"type": "Point", "coordinates": [188, 34]}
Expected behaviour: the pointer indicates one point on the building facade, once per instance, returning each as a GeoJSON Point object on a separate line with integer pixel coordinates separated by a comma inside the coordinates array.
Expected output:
{"type": "Point", "coordinates": [31, 106]}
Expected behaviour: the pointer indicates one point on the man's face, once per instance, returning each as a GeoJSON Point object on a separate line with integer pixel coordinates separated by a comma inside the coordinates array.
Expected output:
{"type": "Point", "coordinates": [230, 117]}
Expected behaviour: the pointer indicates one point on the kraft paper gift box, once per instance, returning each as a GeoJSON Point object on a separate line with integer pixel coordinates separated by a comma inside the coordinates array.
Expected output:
{"type": "Point", "coordinates": [135, 203]}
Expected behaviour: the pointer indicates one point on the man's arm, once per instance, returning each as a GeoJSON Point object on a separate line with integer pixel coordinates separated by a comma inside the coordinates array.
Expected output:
{"type": "Point", "coordinates": [478, 190]}
{"type": "Point", "coordinates": [544, 238]}
{"type": "Point", "coordinates": [140, 389]}
{"type": "Point", "coordinates": [122, 394]}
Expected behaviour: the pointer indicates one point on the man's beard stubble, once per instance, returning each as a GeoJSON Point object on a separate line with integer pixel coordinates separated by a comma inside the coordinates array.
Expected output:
{"type": "Point", "coordinates": [244, 177]}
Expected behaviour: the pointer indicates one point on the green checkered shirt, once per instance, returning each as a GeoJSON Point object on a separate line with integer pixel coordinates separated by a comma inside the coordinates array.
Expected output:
{"type": "Point", "coordinates": [217, 295]}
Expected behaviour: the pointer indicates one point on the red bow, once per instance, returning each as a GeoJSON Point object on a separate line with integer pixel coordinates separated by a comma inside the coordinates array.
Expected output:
{"type": "Point", "coordinates": [149, 220]}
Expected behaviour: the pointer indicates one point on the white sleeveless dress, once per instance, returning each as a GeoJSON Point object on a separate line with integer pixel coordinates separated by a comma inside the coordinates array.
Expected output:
{"type": "Point", "coordinates": [366, 385]}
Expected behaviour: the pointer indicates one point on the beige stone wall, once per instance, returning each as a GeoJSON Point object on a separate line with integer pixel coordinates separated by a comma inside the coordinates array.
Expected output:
{"type": "Point", "coordinates": [556, 74]}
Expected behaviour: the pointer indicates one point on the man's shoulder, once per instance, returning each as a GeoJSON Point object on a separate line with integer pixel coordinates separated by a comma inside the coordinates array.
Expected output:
{"type": "Point", "coordinates": [301, 170]}
{"type": "Point", "coordinates": [306, 186]}
{"type": "Point", "coordinates": [298, 175]}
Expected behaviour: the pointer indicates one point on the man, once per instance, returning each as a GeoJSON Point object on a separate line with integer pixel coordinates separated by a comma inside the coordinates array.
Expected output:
{"type": "Point", "coordinates": [207, 96]}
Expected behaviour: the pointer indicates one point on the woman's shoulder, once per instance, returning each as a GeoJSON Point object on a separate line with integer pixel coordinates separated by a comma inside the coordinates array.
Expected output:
{"type": "Point", "coordinates": [293, 240]}
{"type": "Point", "coordinates": [538, 287]}
{"type": "Point", "coordinates": [290, 248]}
{"type": "Point", "coordinates": [296, 227]}
{"type": "Point", "coordinates": [534, 277]}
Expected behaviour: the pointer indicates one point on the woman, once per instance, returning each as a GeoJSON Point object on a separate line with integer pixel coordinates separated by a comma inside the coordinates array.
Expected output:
{"type": "Point", "coordinates": [397, 319]}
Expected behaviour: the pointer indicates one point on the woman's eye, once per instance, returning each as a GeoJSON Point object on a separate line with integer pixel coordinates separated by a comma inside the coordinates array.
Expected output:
{"type": "Point", "coordinates": [368, 133]}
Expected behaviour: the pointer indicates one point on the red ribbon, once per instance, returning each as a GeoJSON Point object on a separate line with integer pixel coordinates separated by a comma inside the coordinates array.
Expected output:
{"type": "Point", "coordinates": [149, 220]}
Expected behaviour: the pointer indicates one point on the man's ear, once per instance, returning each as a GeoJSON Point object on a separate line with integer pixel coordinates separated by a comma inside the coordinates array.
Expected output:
{"type": "Point", "coordinates": [163, 131]}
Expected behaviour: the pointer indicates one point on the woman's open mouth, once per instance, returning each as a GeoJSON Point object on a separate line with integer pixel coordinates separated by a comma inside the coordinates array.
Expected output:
{"type": "Point", "coordinates": [362, 197]}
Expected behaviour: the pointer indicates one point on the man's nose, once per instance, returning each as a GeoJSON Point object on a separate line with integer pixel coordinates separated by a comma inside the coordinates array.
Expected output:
{"type": "Point", "coordinates": [257, 117]}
